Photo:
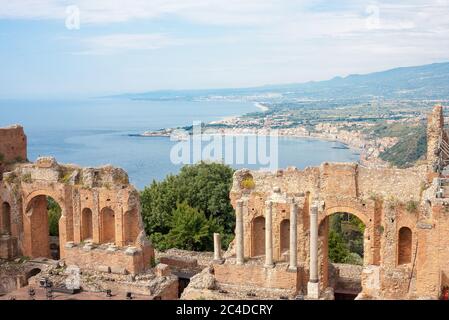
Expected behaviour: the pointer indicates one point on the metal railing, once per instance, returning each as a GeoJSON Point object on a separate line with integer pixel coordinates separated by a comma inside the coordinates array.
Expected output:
{"type": "Point", "coordinates": [443, 154]}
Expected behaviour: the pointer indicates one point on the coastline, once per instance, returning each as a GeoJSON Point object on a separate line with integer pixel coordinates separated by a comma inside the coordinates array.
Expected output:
{"type": "Point", "coordinates": [358, 145]}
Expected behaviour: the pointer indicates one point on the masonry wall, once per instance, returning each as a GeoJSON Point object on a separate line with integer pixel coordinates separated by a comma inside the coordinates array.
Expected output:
{"type": "Point", "coordinates": [13, 144]}
{"type": "Point", "coordinates": [385, 199]}
{"type": "Point", "coordinates": [26, 188]}
{"type": "Point", "coordinates": [253, 275]}
{"type": "Point", "coordinates": [101, 259]}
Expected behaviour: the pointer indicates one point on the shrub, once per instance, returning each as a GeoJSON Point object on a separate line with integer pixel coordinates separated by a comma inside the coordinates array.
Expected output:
{"type": "Point", "coordinates": [248, 183]}
{"type": "Point", "coordinates": [204, 187]}
{"type": "Point", "coordinates": [54, 214]}
{"type": "Point", "coordinates": [411, 206]}
{"type": "Point", "coordinates": [27, 178]}
{"type": "Point", "coordinates": [190, 230]}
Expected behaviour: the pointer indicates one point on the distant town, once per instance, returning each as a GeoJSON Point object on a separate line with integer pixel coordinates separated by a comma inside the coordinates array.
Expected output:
{"type": "Point", "coordinates": [374, 128]}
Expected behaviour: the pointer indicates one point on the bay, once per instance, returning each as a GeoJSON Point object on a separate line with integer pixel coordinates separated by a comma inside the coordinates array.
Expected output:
{"type": "Point", "coordinates": [96, 132]}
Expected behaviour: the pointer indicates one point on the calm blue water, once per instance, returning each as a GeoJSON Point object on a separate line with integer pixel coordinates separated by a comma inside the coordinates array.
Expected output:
{"type": "Point", "coordinates": [96, 132]}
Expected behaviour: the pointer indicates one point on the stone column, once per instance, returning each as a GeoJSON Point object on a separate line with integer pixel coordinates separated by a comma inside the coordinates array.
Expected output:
{"type": "Point", "coordinates": [239, 233]}
{"type": "Point", "coordinates": [293, 265]}
{"type": "Point", "coordinates": [268, 234]}
{"type": "Point", "coordinates": [217, 248]}
{"type": "Point", "coordinates": [313, 288]}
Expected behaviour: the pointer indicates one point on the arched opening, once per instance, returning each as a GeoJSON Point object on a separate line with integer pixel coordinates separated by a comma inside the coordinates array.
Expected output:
{"type": "Point", "coordinates": [86, 224]}
{"type": "Point", "coordinates": [404, 246]}
{"type": "Point", "coordinates": [44, 213]}
{"type": "Point", "coordinates": [342, 241]}
{"type": "Point", "coordinates": [258, 239]}
{"type": "Point", "coordinates": [284, 238]}
{"type": "Point", "coordinates": [5, 219]}
{"type": "Point", "coordinates": [107, 221]}
{"type": "Point", "coordinates": [131, 226]}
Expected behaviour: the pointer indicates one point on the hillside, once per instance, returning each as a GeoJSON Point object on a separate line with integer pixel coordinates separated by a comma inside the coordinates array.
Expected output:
{"type": "Point", "coordinates": [419, 82]}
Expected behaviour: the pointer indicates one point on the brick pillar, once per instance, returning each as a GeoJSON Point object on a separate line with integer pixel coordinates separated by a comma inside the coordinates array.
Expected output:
{"type": "Point", "coordinates": [435, 125]}
{"type": "Point", "coordinates": [239, 233]}
{"type": "Point", "coordinates": [269, 234]}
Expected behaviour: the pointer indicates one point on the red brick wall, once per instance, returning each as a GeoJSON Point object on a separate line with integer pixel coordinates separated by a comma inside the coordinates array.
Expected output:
{"type": "Point", "coordinates": [13, 144]}
{"type": "Point", "coordinates": [91, 259]}
{"type": "Point", "coordinates": [248, 274]}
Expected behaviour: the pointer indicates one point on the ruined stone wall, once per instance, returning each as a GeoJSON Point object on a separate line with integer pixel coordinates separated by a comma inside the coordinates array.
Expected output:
{"type": "Point", "coordinates": [433, 253]}
{"type": "Point", "coordinates": [435, 131]}
{"type": "Point", "coordinates": [253, 275]}
{"type": "Point", "coordinates": [26, 186]}
{"type": "Point", "coordinates": [400, 184]}
{"type": "Point", "coordinates": [385, 199]}
{"type": "Point", "coordinates": [13, 144]}
{"type": "Point", "coordinates": [107, 259]}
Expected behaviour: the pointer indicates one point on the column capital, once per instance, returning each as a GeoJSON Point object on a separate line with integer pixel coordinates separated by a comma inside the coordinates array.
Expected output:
{"type": "Point", "coordinates": [269, 203]}
{"type": "Point", "coordinates": [240, 202]}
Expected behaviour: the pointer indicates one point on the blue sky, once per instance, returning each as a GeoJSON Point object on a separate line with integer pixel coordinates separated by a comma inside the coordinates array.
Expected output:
{"type": "Point", "coordinates": [137, 45]}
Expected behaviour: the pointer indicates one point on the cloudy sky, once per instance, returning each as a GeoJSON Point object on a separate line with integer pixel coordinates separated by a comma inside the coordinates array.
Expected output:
{"type": "Point", "coordinates": [141, 45]}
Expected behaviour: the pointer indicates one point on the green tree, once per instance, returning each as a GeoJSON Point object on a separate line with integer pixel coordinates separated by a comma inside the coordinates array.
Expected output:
{"type": "Point", "coordinates": [338, 251]}
{"type": "Point", "coordinates": [203, 186]}
{"type": "Point", "coordinates": [190, 229]}
{"type": "Point", "coordinates": [54, 214]}
{"type": "Point", "coordinates": [346, 239]}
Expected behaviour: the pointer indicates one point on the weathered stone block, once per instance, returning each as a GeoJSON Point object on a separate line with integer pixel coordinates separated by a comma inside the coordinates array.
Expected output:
{"type": "Point", "coordinates": [131, 251]}
{"type": "Point", "coordinates": [118, 270]}
{"type": "Point", "coordinates": [162, 270]}
{"type": "Point", "coordinates": [106, 269]}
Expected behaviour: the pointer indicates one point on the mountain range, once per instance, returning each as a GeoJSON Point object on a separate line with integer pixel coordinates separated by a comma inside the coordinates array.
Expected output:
{"type": "Point", "coordinates": [419, 82]}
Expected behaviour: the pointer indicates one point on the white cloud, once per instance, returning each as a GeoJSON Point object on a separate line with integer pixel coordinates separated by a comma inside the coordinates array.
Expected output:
{"type": "Point", "coordinates": [112, 11]}
{"type": "Point", "coordinates": [126, 42]}
{"type": "Point", "coordinates": [270, 40]}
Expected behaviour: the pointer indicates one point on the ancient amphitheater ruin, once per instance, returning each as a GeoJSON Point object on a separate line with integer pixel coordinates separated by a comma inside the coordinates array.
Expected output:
{"type": "Point", "coordinates": [282, 221]}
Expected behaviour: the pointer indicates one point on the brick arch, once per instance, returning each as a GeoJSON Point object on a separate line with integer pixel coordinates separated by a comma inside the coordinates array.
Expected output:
{"type": "Point", "coordinates": [131, 228]}
{"type": "Point", "coordinates": [5, 218]}
{"type": "Point", "coordinates": [107, 225]}
{"type": "Point", "coordinates": [348, 209]}
{"type": "Point", "coordinates": [49, 193]}
{"type": "Point", "coordinates": [87, 229]}
{"type": "Point", "coordinates": [359, 211]}
{"type": "Point", "coordinates": [35, 224]}
{"type": "Point", "coordinates": [258, 236]}
{"type": "Point", "coordinates": [404, 245]}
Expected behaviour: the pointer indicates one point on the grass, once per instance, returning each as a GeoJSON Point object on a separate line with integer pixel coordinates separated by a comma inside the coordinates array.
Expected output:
{"type": "Point", "coordinates": [27, 178]}
{"type": "Point", "coordinates": [411, 206]}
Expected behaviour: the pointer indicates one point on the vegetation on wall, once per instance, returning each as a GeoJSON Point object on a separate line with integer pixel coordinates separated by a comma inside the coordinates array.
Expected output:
{"type": "Point", "coordinates": [183, 211]}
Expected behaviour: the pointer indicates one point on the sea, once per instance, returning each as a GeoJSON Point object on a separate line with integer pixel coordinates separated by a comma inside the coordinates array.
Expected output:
{"type": "Point", "coordinates": [96, 132]}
